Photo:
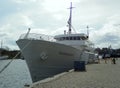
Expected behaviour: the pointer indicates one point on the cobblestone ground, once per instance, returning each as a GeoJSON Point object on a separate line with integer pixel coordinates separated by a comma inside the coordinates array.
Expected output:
{"type": "Point", "coordinates": [103, 75]}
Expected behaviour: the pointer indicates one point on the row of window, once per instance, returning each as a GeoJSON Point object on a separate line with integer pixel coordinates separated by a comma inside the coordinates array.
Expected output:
{"type": "Point", "coordinates": [73, 38]}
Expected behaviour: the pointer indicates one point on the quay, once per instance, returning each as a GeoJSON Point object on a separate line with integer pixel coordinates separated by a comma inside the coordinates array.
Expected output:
{"type": "Point", "coordinates": [103, 75]}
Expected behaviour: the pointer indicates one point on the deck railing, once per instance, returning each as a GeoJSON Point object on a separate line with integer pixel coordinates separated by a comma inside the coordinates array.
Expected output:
{"type": "Point", "coordinates": [37, 37]}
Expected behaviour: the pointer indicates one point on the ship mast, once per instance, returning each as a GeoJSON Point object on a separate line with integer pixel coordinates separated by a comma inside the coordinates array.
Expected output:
{"type": "Point", "coordinates": [70, 19]}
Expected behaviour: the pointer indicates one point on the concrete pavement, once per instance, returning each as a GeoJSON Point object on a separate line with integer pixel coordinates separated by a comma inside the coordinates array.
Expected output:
{"type": "Point", "coordinates": [96, 76]}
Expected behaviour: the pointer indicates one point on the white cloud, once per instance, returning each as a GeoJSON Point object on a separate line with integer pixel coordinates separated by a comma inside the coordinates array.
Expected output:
{"type": "Point", "coordinates": [50, 16]}
{"type": "Point", "coordinates": [23, 1]}
{"type": "Point", "coordinates": [27, 21]}
{"type": "Point", "coordinates": [109, 34]}
{"type": "Point", "coordinates": [57, 5]}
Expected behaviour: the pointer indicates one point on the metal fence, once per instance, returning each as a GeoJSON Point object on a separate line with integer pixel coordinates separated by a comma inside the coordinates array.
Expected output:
{"type": "Point", "coordinates": [37, 37]}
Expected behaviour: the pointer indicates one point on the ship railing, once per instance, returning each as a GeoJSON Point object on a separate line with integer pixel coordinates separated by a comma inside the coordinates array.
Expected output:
{"type": "Point", "coordinates": [34, 36]}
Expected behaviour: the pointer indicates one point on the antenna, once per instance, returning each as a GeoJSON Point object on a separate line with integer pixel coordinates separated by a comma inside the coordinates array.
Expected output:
{"type": "Point", "coordinates": [70, 19]}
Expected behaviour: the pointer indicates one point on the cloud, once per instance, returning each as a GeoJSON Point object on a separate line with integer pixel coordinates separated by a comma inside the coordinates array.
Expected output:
{"type": "Point", "coordinates": [50, 17]}
{"type": "Point", "coordinates": [109, 34]}
{"type": "Point", "coordinates": [24, 1]}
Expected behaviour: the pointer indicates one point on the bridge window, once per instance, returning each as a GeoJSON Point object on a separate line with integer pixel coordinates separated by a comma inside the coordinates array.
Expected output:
{"type": "Point", "coordinates": [74, 38]}
{"type": "Point", "coordinates": [78, 38]}
{"type": "Point", "coordinates": [67, 38]}
{"type": "Point", "coordinates": [71, 38]}
{"type": "Point", "coordinates": [63, 38]}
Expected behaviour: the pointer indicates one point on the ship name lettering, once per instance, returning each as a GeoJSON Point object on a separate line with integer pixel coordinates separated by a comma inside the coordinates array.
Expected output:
{"type": "Point", "coordinates": [64, 53]}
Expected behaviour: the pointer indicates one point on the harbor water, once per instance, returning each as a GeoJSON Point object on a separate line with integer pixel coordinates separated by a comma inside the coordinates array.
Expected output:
{"type": "Point", "coordinates": [16, 75]}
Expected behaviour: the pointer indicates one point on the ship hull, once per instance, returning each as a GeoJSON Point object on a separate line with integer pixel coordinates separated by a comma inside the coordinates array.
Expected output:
{"type": "Point", "coordinates": [46, 59]}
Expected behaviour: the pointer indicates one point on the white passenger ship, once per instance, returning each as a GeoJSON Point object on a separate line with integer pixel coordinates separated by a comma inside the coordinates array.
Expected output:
{"type": "Point", "coordinates": [47, 56]}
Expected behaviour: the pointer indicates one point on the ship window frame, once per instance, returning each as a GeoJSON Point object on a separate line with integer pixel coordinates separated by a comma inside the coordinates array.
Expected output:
{"type": "Point", "coordinates": [67, 38]}
{"type": "Point", "coordinates": [83, 38]}
{"type": "Point", "coordinates": [78, 37]}
{"type": "Point", "coordinates": [74, 38]}
{"type": "Point", "coordinates": [63, 38]}
{"type": "Point", "coordinates": [71, 38]}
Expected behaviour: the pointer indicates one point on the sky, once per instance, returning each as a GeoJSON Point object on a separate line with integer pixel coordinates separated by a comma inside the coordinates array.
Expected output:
{"type": "Point", "coordinates": [50, 17]}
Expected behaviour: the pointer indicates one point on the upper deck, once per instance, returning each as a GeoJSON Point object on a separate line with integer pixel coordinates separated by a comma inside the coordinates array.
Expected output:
{"type": "Point", "coordinates": [61, 37]}
{"type": "Point", "coordinates": [79, 36]}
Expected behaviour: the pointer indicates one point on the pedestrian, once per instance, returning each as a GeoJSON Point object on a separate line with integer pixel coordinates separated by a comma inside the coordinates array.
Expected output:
{"type": "Point", "coordinates": [98, 60]}
{"type": "Point", "coordinates": [114, 61]}
{"type": "Point", "coordinates": [111, 60]}
{"type": "Point", "coordinates": [105, 60]}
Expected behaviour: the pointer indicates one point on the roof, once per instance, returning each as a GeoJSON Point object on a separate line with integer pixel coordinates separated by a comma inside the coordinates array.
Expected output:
{"type": "Point", "coordinates": [71, 35]}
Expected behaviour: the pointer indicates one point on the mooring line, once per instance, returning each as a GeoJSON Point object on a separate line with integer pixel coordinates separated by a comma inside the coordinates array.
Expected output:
{"type": "Point", "coordinates": [14, 57]}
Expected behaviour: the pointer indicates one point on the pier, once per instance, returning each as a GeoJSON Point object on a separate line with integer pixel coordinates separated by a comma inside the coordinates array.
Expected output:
{"type": "Point", "coordinates": [103, 75]}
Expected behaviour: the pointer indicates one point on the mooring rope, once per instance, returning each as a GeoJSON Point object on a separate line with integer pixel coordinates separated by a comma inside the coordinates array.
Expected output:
{"type": "Point", "coordinates": [14, 57]}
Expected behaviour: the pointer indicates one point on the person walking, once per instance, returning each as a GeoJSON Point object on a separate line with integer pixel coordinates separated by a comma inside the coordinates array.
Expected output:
{"type": "Point", "coordinates": [105, 60]}
{"type": "Point", "coordinates": [114, 61]}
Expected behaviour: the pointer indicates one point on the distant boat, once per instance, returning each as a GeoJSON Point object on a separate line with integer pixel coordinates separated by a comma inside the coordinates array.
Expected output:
{"type": "Point", "coordinates": [47, 56]}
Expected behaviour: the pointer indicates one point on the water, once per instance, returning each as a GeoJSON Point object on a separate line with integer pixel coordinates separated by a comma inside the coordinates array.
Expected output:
{"type": "Point", "coordinates": [16, 75]}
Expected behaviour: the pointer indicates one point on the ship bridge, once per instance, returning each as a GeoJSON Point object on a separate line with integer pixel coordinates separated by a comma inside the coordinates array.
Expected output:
{"type": "Point", "coordinates": [76, 40]}
{"type": "Point", "coordinates": [73, 37]}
